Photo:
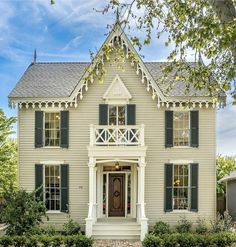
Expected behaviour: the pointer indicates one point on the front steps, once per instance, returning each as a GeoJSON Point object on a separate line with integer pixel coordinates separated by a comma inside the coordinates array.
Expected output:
{"type": "Point", "coordinates": [116, 228]}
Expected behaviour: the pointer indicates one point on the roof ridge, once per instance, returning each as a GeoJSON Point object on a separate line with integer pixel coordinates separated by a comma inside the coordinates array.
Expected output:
{"type": "Point", "coordinates": [63, 62]}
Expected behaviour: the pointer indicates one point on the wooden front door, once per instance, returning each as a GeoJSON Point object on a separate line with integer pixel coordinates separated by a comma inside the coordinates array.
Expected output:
{"type": "Point", "coordinates": [116, 204]}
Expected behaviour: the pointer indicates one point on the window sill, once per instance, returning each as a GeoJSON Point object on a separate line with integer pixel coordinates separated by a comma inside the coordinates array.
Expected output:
{"type": "Point", "coordinates": [182, 212]}
{"type": "Point", "coordinates": [52, 147]}
{"type": "Point", "coordinates": [54, 212]}
{"type": "Point", "coordinates": [182, 147]}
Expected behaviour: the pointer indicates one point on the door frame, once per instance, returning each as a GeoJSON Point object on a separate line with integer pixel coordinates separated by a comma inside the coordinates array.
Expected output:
{"type": "Point", "coordinates": [133, 174]}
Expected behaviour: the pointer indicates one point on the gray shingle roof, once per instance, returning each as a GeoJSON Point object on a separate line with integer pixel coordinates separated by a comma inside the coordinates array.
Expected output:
{"type": "Point", "coordinates": [52, 80]}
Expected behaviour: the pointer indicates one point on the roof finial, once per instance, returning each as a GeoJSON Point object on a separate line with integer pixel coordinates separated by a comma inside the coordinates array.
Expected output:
{"type": "Point", "coordinates": [117, 15]}
{"type": "Point", "coordinates": [35, 56]}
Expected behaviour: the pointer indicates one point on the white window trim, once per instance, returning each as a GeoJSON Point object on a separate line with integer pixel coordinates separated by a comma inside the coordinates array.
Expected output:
{"type": "Point", "coordinates": [182, 110]}
{"type": "Point", "coordinates": [51, 110]}
{"type": "Point", "coordinates": [44, 199]}
{"type": "Point", "coordinates": [52, 162]}
{"type": "Point", "coordinates": [181, 162]}
{"type": "Point", "coordinates": [117, 113]}
{"type": "Point", "coordinates": [189, 191]}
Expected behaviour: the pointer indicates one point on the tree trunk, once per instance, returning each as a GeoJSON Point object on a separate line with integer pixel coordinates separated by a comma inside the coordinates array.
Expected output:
{"type": "Point", "coordinates": [226, 11]}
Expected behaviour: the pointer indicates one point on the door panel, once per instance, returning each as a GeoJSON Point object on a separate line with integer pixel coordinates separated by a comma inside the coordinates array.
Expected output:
{"type": "Point", "coordinates": [116, 206]}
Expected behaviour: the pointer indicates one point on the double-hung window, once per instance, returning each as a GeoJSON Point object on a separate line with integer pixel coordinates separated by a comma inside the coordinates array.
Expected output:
{"type": "Point", "coordinates": [52, 187]}
{"type": "Point", "coordinates": [181, 128]}
{"type": "Point", "coordinates": [181, 122]}
{"type": "Point", "coordinates": [52, 129]}
{"type": "Point", "coordinates": [117, 115]}
{"type": "Point", "coordinates": [181, 187]}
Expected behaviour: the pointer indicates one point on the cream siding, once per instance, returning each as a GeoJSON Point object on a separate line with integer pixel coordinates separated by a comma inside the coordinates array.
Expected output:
{"type": "Point", "coordinates": [148, 114]}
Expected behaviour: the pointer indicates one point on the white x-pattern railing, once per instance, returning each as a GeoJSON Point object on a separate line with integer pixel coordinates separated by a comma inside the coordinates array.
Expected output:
{"type": "Point", "coordinates": [112, 135]}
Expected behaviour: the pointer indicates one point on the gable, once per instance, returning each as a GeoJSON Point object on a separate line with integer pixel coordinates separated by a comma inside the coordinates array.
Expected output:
{"type": "Point", "coordinates": [81, 83]}
{"type": "Point", "coordinates": [117, 93]}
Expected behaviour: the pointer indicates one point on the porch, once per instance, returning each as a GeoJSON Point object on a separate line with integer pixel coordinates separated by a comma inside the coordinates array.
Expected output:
{"type": "Point", "coordinates": [116, 183]}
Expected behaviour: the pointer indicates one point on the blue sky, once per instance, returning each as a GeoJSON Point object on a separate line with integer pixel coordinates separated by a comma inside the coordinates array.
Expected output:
{"type": "Point", "coordinates": [67, 31]}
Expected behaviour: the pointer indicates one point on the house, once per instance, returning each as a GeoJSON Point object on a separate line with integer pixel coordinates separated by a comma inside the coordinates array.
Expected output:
{"type": "Point", "coordinates": [230, 181]}
{"type": "Point", "coordinates": [118, 155]}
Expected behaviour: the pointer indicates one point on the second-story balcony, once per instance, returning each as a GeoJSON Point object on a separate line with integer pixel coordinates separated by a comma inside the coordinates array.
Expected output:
{"type": "Point", "coordinates": [117, 135]}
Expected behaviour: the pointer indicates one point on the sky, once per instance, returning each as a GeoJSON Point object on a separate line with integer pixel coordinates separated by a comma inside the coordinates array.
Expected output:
{"type": "Point", "coordinates": [68, 31]}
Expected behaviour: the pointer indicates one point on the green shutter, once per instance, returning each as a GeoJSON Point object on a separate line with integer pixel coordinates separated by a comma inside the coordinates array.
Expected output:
{"type": "Point", "coordinates": [64, 187]}
{"type": "Point", "coordinates": [64, 129]}
{"type": "Point", "coordinates": [194, 128]}
{"type": "Point", "coordinates": [103, 114]}
{"type": "Point", "coordinates": [194, 187]}
{"type": "Point", "coordinates": [168, 187]}
{"type": "Point", "coordinates": [169, 129]}
{"type": "Point", "coordinates": [131, 114]}
{"type": "Point", "coordinates": [38, 129]}
{"type": "Point", "coordinates": [39, 181]}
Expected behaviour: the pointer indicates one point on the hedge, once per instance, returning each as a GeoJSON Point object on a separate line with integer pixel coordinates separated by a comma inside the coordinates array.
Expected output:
{"type": "Point", "coordinates": [221, 239]}
{"type": "Point", "coordinates": [46, 241]}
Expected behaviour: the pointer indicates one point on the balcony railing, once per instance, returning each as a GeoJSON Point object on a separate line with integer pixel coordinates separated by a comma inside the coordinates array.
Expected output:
{"type": "Point", "coordinates": [112, 135]}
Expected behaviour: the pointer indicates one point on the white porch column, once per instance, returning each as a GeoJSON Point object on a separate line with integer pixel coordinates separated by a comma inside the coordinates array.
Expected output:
{"type": "Point", "coordinates": [92, 197]}
{"type": "Point", "coordinates": [141, 198]}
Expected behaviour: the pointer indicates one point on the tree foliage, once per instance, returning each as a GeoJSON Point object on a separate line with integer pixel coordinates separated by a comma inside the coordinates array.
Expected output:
{"type": "Point", "coordinates": [207, 27]}
{"type": "Point", "coordinates": [224, 165]}
{"type": "Point", "coordinates": [8, 154]}
{"type": "Point", "coordinates": [22, 212]}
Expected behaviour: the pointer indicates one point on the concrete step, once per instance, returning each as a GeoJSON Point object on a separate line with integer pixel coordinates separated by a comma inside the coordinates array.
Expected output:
{"type": "Point", "coordinates": [117, 237]}
{"type": "Point", "coordinates": [118, 229]}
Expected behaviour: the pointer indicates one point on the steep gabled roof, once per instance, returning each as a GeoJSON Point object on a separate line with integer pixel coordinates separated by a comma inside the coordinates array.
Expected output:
{"type": "Point", "coordinates": [51, 80]}
{"type": "Point", "coordinates": [65, 83]}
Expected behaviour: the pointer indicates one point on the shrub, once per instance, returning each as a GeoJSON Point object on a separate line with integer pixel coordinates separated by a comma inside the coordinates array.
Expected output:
{"type": "Point", "coordinates": [222, 239]}
{"type": "Point", "coordinates": [43, 230]}
{"type": "Point", "coordinates": [222, 223]}
{"type": "Point", "coordinates": [6, 241]}
{"type": "Point", "coordinates": [170, 240]}
{"type": "Point", "coordinates": [22, 212]}
{"type": "Point", "coordinates": [201, 226]}
{"type": "Point", "coordinates": [152, 241]}
{"type": "Point", "coordinates": [161, 228]}
{"type": "Point", "coordinates": [71, 227]}
{"type": "Point", "coordinates": [46, 240]}
{"type": "Point", "coordinates": [184, 225]}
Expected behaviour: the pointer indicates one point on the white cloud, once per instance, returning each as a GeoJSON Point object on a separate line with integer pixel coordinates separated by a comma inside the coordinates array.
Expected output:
{"type": "Point", "coordinates": [69, 12]}
{"type": "Point", "coordinates": [7, 11]}
{"type": "Point", "coordinates": [72, 44]}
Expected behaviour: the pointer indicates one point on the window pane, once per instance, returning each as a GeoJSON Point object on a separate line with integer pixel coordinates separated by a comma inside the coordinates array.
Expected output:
{"type": "Point", "coordinates": [52, 187]}
{"type": "Point", "coordinates": [181, 128]}
{"type": "Point", "coordinates": [180, 192]}
{"type": "Point", "coordinates": [52, 129]}
{"type": "Point", "coordinates": [112, 115]}
{"type": "Point", "coordinates": [121, 115]}
{"type": "Point", "coordinates": [104, 193]}
{"type": "Point", "coordinates": [129, 194]}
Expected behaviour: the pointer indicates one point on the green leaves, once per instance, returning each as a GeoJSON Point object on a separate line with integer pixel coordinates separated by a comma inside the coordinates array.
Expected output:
{"type": "Point", "coordinates": [193, 27]}
{"type": "Point", "coordinates": [22, 212]}
{"type": "Point", "coordinates": [8, 155]}
{"type": "Point", "coordinates": [224, 165]}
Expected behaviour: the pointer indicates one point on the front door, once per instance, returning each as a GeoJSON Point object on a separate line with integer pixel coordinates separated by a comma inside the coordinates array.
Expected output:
{"type": "Point", "coordinates": [116, 205]}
